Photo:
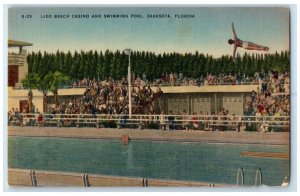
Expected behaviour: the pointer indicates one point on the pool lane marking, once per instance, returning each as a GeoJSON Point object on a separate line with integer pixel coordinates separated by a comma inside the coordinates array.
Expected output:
{"type": "Point", "coordinates": [275, 155]}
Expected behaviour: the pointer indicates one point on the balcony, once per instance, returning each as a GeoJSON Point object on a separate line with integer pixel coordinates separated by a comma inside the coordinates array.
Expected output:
{"type": "Point", "coordinates": [16, 59]}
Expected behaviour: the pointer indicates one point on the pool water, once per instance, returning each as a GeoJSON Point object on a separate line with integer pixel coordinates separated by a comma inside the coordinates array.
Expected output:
{"type": "Point", "coordinates": [206, 162]}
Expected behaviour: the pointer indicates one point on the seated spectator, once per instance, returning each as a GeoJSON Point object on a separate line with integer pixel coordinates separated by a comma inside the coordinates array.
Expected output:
{"type": "Point", "coordinates": [235, 122]}
{"type": "Point", "coordinates": [214, 119]}
{"type": "Point", "coordinates": [17, 114]}
{"type": "Point", "coordinates": [10, 117]}
{"type": "Point", "coordinates": [40, 120]}
{"type": "Point", "coordinates": [195, 121]}
{"type": "Point", "coordinates": [206, 121]}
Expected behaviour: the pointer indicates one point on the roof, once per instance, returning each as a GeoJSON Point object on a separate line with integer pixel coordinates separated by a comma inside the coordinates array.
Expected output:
{"type": "Point", "coordinates": [15, 43]}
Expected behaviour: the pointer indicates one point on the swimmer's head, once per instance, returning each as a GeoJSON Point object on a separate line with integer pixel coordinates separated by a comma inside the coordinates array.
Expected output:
{"type": "Point", "coordinates": [230, 41]}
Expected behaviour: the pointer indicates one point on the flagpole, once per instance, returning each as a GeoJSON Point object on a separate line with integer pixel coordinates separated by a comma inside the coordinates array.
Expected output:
{"type": "Point", "coordinates": [128, 52]}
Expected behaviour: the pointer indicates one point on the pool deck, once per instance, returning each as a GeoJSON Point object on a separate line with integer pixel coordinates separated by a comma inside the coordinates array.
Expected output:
{"type": "Point", "coordinates": [42, 178]}
{"type": "Point", "coordinates": [270, 138]}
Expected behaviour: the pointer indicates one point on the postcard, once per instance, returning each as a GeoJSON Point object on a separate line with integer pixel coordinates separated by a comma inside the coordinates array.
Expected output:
{"type": "Point", "coordinates": [147, 96]}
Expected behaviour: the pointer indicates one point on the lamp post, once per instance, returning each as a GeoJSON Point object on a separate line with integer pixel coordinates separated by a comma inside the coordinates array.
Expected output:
{"type": "Point", "coordinates": [128, 52]}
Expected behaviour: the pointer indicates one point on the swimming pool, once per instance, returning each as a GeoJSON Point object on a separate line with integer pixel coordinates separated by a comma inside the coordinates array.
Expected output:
{"type": "Point", "coordinates": [206, 162]}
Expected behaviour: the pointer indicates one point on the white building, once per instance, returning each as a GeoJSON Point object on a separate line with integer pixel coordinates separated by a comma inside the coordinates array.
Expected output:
{"type": "Point", "coordinates": [17, 63]}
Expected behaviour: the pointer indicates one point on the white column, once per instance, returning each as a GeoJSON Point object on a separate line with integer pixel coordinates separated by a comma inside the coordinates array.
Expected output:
{"type": "Point", "coordinates": [129, 88]}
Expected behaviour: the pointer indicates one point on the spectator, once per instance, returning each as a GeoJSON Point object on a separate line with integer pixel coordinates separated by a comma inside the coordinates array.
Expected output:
{"type": "Point", "coordinates": [185, 122]}
{"type": "Point", "coordinates": [162, 123]}
{"type": "Point", "coordinates": [171, 120]}
{"type": "Point", "coordinates": [10, 117]}
{"type": "Point", "coordinates": [195, 121]}
{"type": "Point", "coordinates": [40, 120]}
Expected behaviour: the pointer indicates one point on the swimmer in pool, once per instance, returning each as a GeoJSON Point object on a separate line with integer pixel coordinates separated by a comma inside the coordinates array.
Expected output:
{"type": "Point", "coordinates": [244, 44]}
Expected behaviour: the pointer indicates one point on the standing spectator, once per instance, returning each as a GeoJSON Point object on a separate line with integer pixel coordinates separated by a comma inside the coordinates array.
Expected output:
{"type": "Point", "coordinates": [162, 123]}
{"type": "Point", "coordinates": [32, 108]}
{"type": "Point", "coordinates": [17, 113]}
{"type": "Point", "coordinates": [171, 119]}
{"type": "Point", "coordinates": [185, 122]}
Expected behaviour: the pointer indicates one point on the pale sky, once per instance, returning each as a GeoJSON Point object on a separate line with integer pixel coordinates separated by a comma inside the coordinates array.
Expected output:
{"type": "Point", "coordinates": [207, 32]}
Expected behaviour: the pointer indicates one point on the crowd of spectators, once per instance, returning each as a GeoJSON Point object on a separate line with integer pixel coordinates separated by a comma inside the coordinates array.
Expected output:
{"type": "Point", "coordinates": [15, 117]}
{"type": "Point", "coordinates": [271, 98]}
{"type": "Point", "coordinates": [174, 79]}
{"type": "Point", "coordinates": [110, 97]}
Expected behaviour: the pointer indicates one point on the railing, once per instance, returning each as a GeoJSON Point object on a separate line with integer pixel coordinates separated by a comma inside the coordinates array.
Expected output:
{"type": "Point", "coordinates": [167, 84]}
{"type": "Point", "coordinates": [152, 85]}
{"type": "Point", "coordinates": [240, 177]}
{"type": "Point", "coordinates": [213, 122]}
{"type": "Point", "coordinates": [258, 177]}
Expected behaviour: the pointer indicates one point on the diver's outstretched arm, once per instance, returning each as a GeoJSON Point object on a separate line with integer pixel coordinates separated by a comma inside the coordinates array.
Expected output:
{"type": "Point", "coordinates": [233, 31]}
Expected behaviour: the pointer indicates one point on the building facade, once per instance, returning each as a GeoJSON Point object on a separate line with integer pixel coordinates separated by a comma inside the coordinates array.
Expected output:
{"type": "Point", "coordinates": [17, 63]}
{"type": "Point", "coordinates": [176, 99]}
{"type": "Point", "coordinates": [205, 99]}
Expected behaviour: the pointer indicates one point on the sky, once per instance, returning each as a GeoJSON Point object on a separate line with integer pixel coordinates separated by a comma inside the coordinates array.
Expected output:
{"type": "Point", "coordinates": [207, 32]}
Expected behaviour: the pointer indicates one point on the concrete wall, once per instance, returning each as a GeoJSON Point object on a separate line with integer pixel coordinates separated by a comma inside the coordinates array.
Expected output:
{"type": "Point", "coordinates": [22, 177]}
{"type": "Point", "coordinates": [201, 103]}
{"type": "Point", "coordinates": [18, 177]}
{"type": "Point", "coordinates": [234, 102]}
{"type": "Point", "coordinates": [209, 102]}
{"type": "Point", "coordinates": [21, 61]}
{"type": "Point", "coordinates": [16, 95]}
{"type": "Point", "coordinates": [96, 180]}
{"type": "Point", "coordinates": [14, 102]}
{"type": "Point", "coordinates": [23, 68]}
{"type": "Point", "coordinates": [205, 98]}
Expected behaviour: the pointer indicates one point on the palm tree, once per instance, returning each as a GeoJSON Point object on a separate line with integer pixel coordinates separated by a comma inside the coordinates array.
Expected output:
{"type": "Point", "coordinates": [43, 85]}
{"type": "Point", "coordinates": [29, 83]}
{"type": "Point", "coordinates": [56, 79]}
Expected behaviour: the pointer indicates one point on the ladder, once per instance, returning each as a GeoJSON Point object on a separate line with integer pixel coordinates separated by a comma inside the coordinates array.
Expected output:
{"type": "Point", "coordinates": [240, 181]}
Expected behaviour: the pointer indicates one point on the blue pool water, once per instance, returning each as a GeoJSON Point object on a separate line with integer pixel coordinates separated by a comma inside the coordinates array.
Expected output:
{"type": "Point", "coordinates": [213, 163]}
